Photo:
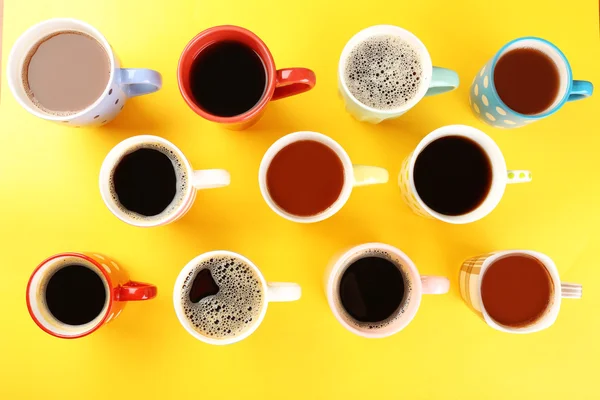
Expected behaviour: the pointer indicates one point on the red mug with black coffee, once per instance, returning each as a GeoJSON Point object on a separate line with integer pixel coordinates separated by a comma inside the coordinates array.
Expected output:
{"type": "Point", "coordinates": [227, 75]}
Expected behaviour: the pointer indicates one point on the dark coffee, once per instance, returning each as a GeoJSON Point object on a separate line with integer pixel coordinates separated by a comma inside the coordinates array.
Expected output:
{"type": "Point", "coordinates": [75, 294]}
{"type": "Point", "coordinates": [305, 178]}
{"type": "Point", "coordinates": [227, 79]}
{"type": "Point", "coordinates": [222, 297]}
{"type": "Point", "coordinates": [371, 290]}
{"type": "Point", "coordinates": [147, 181]}
{"type": "Point", "coordinates": [527, 80]}
{"type": "Point", "coordinates": [516, 290]}
{"type": "Point", "coordinates": [453, 175]}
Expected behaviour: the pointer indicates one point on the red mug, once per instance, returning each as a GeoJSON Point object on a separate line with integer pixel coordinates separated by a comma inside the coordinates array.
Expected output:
{"type": "Point", "coordinates": [118, 289]}
{"type": "Point", "coordinates": [279, 83]}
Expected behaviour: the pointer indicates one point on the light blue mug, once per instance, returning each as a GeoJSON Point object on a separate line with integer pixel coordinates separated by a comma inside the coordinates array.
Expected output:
{"type": "Point", "coordinates": [487, 105]}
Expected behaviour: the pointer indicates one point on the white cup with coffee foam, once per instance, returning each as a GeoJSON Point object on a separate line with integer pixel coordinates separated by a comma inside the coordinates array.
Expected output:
{"type": "Point", "coordinates": [120, 85]}
{"type": "Point", "coordinates": [237, 305]}
{"type": "Point", "coordinates": [396, 88]}
{"type": "Point", "coordinates": [415, 286]}
{"type": "Point", "coordinates": [189, 181]}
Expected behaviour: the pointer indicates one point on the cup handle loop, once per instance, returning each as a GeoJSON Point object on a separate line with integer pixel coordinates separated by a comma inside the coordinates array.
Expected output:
{"type": "Point", "coordinates": [571, 290]}
{"type": "Point", "coordinates": [366, 175]}
{"type": "Point", "coordinates": [442, 80]}
{"type": "Point", "coordinates": [210, 178]}
{"type": "Point", "coordinates": [518, 176]}
{"type": "Point", "coordinates": [292, 81]}
{"type": "Point", "coordinates": [580, 90]}
{"type": "Point", "coordinates": [135, 291]}
{"type": "Point", "coordinates": [139, 81]}
{"type": "Point", "coordinates": [283, 291]}
{"type": "Point", "coordinates": [435, 284]}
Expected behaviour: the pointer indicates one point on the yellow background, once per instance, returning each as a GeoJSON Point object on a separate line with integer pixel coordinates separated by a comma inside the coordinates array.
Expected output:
{"type": "Point", "coordinates": [50, 202]}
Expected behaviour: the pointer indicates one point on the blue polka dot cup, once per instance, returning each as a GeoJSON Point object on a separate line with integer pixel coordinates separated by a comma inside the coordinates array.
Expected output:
{"type": "Point", "coordinates": [122, 83]}
{"type": "Point", "coordinates": [501, 177]}
{"type": "Point", "coordinates": [489, 107]}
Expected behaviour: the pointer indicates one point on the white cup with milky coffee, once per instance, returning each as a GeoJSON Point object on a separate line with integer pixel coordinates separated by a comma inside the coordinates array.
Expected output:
{"type": "Point", "coordinates": [221, 297]}
{"type": "Point", "coordinates": [385, 70]}
{"type": "Point", "coordinates": [64, 70]}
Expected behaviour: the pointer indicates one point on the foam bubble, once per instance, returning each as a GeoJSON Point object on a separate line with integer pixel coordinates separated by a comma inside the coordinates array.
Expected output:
{"type": "Point", "coordinates": [237, 305]}
{"type": "Point", "coordinates": [405, 301]}
{"type": "Point", "coordinates": [383, 72]}
{"type": "Point", "coordinates": [181, 183]}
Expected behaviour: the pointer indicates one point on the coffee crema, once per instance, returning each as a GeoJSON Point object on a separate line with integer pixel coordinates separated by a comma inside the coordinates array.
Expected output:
{"type": "Point", "coordinates": [65, 72]}
{"type": "Point", "coordinates": [373, 290]}
{"type": "Point", "coordinates": [222, 297]}
{"type": "Point", "coordinates": [148, 182]}
{"type": "Point", "coordinates": [383, 72]}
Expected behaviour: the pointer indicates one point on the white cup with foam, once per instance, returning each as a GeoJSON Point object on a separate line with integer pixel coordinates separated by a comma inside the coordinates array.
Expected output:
{"type": "Point", "coordinates": [269, 292]}
{"type": "Point", "coordinates": [189, 181]}
{"type": "Point", "coordinates": [433, 80]}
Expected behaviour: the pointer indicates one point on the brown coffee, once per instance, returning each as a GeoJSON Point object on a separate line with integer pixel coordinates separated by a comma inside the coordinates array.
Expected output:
{"type": "Point", "coordinates": [527, 80]}
{"type": "Point", "coordinates": [516, 290]}
{"type": "Point", "coordinates": [66, 72]}
{"type": "Point", "coordinates": [305, 178]}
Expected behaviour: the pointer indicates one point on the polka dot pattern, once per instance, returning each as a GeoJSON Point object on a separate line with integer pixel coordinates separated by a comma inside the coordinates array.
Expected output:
{"type": "Point", "coordinates": [484, 99]}
{"type": "Point", "coordinates": [485, 82]}
{"type": "Point", "coordinates": [500, 111]}
{"type": "Point", "coordinates": [490, 116]}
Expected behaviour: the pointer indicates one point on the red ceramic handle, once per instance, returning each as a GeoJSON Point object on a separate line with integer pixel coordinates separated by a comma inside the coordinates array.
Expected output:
{"type": "Point", "coordinates": [291, 81]}
{"type": "Point", "coordinates": [133, 291]}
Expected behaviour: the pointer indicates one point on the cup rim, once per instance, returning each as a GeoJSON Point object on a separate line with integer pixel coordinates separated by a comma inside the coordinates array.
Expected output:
{"type": "Point", "coordinates": [549, 111]}
{"type": "Point", "coordinates": [411, 309]}
{"type": "Point", "coordinates": [10, 67]}
{"type": "Point", "coordinates": [266, 57]}
{"type": "Point", "coordinates": [551, 313]}
{"type": "Point", "coordinates": [494, 154]}
{"type": "Point", "coordinates": [179, 309]}
{"type": "Point", "coordinates": [425, 58]}
{"type": "Point", "coordinates": [288, 139]}
{"type": "Point", "coordinates": [105, 276]}
{"type": "Point", "coordinates": [120, 150]}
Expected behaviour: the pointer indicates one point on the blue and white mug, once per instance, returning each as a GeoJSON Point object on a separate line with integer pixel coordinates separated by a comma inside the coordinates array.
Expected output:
{"type": "Point", "coordinates": [122, 84]}
{"type": "Point", "coordinates": [487, 105]}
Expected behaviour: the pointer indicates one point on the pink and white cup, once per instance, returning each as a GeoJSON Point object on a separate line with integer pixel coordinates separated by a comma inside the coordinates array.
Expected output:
{"type": "Point", "coordinates": [415, 286]}
{"type": "Point", "coordinates": [189, 181]}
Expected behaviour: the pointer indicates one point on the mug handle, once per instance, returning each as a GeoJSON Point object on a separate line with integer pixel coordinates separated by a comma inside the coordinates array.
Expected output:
{"type": "Point", "coordinates": [134, 291]}
{"type": "Point", "coordinates": [210, 178]}
{"type": "Point", "coordinates": [571, 290]}
{"type": "Point", "coordinates": [292, 81]}
{"type": "Point", "coordinates": [366, 175]}
{"type": "Point", "coordinates": [435, 284]}
{"type": "Point", "coordinates": [518, 176]}
{"type": "Point", "coordinates": [139, 81]}
{"type": "Point", "coordinates": [442, 80]}
{"type": "Point", "coordinates": [283, 291]}
{"type": "Point", "coordinates": [580, 90]}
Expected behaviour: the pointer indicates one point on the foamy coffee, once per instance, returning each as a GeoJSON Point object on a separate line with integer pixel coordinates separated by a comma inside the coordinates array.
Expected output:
{"type": "Point", "coordinates": [65, 72]}
{"type": "Point", "coordinates": [148, 182]}
{"type": "Point", "coordinates": [383, 72]}
{"type": "Point", "coordinates": [222, 297]}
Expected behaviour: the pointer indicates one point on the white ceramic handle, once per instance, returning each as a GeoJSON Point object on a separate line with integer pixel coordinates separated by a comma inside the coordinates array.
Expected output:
{"type": "Point", "coordinates": [435, 284]}
{"type": "Point", "coordinates": [210, 178]}
{"type": "Point", "coordinates": [518, 176]}
{"type": "Point", "coordinates": [571, 290]}
{"type": "Point", "coordinates": [366, 175]}
{"type": "Point", "coordinates": [283, 291]}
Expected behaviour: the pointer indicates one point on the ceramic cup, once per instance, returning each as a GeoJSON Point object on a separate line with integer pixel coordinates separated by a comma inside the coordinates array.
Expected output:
{"type": "Point", "coordinates": [488, 106]}
{"type": "Point", "coordinates": [354, 175]}
{"type": "Point", "coordinates": [415, 286]}
{"type": "Point", "coordinates": [473, 270]}
{"type": "Point", "coordinates": [434, 80]}
{"type": "Point", "coordinates": [270, 292]}
{"type": "Point", "coordinates": [123, 83]}
{"type": "Point", "coordinates": [280, 83]}
{"type": "Point", "coordinates": [500, 175]}
{"type": "Point", "coordinates": [184, 198]}
{"type": "Point", "coordinates": [119, 289]}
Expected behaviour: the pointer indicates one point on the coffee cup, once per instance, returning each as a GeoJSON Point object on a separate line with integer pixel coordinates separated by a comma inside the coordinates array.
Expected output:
{"type": "Point", "coordinates": [396, 77]}
{"type": "Point", "coordinates": [308, 177]}
{"type": "Point", "coordinates": [374, 290]}
{"type": "Point", "coordinates": [221, 297]}
{"type": "Point", "coordinates": [90, 89]}
{"type": "Point", "coordinates": [528, 79]}
{"type": "Point", "coordinates": [227, 75]}
{"type": "Point", "coordinates": [147, 181]}
{"type": "Point", "coordinates": [456, 174]}
{"type": "Point", "coordinates": [515, 291]}
{"type": "Point", "coordinates": [71, 295]}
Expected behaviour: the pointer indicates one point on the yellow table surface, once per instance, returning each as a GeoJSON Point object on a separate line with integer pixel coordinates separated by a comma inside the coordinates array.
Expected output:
{"type": "Point", "coordinates": [50, 202]}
